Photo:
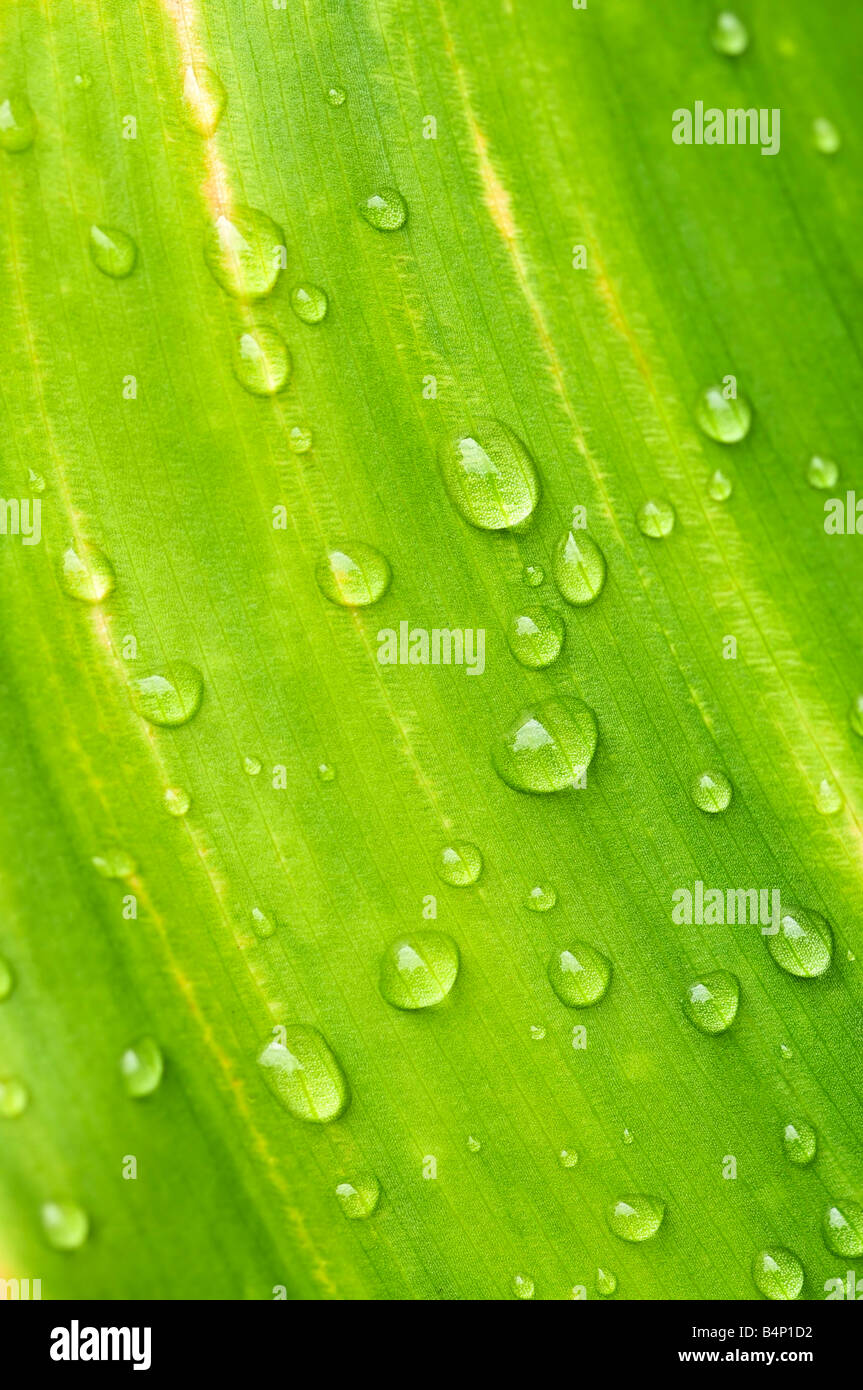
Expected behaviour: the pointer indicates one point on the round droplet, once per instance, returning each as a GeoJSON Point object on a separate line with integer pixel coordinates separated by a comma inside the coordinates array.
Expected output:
{"type": "Point", "coordinates": [83, 80]}
{"type": "Point", "coordinates": [777, 1273]}
{"type": "Point", "coordinates": [655, 518]}
{"type": "Point", "coordinates": [636, 1218]}
{"type": "Point", "coordinates": [711, 1001]}
{"type": "Point", "coordinates": [459, 864]}
{"type": "Point", "coordinates": [855, 715]}
{"type": "Point", "coordinates": [326, 773]}
{"type": "Point", "coordinates": [244, 252]}
{"type": "Point", "coordinates": [606, 1283]}
{"type": "Point", "coordinates": [726, 421]}
{"type": "Point", "coordinates": [579, 975]}
{"type": "Point", "coordinates": [359, 1197]}
{"type": "Point", "coordinates": [567, 1158]}
{"type": "Point", "coordinates": [533, 576]}
{"type": "Point", "coordinates": [419, 970]}
{"type": "Point", "coordinates": [473, 1144]}
{"type": "Point", "coordinates": [535, 636]}
{"type": "Point", "coordinates": [204, 99]}
{"type": "Point", "coordinates": [549, 748]}
{"type": "Point", "coordinates": [177, 801]}
{"type": "Point", "coordinates": [170, 696]}
{"type": "Point", "coordinates": [386, 210]}
{"type": "Point", "coordinates": [262, 362]}
{"type": "Point", "coordinates": [842, 1229]}
{"type": "Point", "coordinates": [537, 1032]}
{"type": "Point", "coordinates": [252, 766]}
{"type": "Point", "coordinates": [729, 35]}
{"type": "Point", "coordinates": [309, 302]}
{"type": "Point", "coordinates": [299, 439]}
{"type": "Point", "coordinates": [540, 899]}
{"type": "Point", "coordinates": [141, 1067]}
{"type": "Point", "coordinates": [489, 476]}
{"type": "Point", "coordinates": [17, 124]}
{"type": "Point", "coordinates": [65, 1224]}
{"type": "Point", "coordinates": [578, 567]}
{"type": "Point", "coordinates": [825, 136]}
{"type": "Point", "coordinates": [353, 575]}
{"type": "Point", "coordinates": [828, 798]}
{"type": "Point", "coordinates": [304, 1075]}
{"type": "Point", "coordinates": [7, 979]}
{"type": "Point", "coordinates": [114, 863]}
{"type": "Point", "coordinates": [803, 945]}
{"type": "Point", "coordinates": [720, 486]}
{"type": "Point", "coordinates": [711, 791]}
{"type": "Point", "coordinates": [822, 473]}
{"type": "Point", "coordinates": [112, 251]}
{"type": "Point", "coordinates": [262, 925]}
{"type": "Point", "coordinates": [523, 1286]}
{"type": "Point", "coordinates": [337, 96]}
{"type": "Point", "coordinates": [14, 1098]}
{"type": "Point", "coordinates": [86, 574]}
{"type": "Point", "coordinates": [800, 1142]}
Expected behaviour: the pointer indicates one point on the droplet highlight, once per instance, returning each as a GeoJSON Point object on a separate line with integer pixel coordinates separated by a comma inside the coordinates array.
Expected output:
{"type": "Point", "coordinates": [177, 801]}
{"type": "Point", "coordinates": [17, 124]}
{"type": "Point", "coordinates": [204, 99]}
{"type": "Point", "coordinates": [636, 1218]}
{"type": "Point", "coordinates": [66, 1225]}
{"type": "Point", "coordinates": [112, 251]}
{"type": "Point", "coordinates": [86, 574]}
{"type": "Point", "coordinates": [720, 486]}
{"type": "Point", "coordinates": [799, 1143]}
{"type": "Point", "coordinates": [536, 636]}
{"type": "Point", "coordinates": [385, 210]}
{"type": "Point", "coordinates": [14, 1098]}
{"type": "Point", "coordinates": [825, 136]}
{"type": "Point", "coordinates": [490, 476]}
{"type": "Point", "coordinates": [711, 1001]}
{"type": "Point", "coordinates": [579, 975]}
{"type": "Point", "coordinates": [170, 696]}
{"type": "Point", "coordinates": [359, 1196]}
{"type": "Point", "coordinates": [142, 1067]}
{"type": "Point", "coordinates": [262, 363]}
{"type": "Point", "coordinates": [803, 945]}
{"type": "Point", "coordinates": [309, 303]}
{"type": "Point", "coordinates": [303, 1074]}
{"type": "Point", "coordinates": [842, 1229]}
{"type": "Point", "coordinates": [523, 1286]}
{"type": "Point", "coordinates": [244, 252]}
{"type": "Point", "coordinates": [540, 899]}
{"type": "Point", "coordinates": [419, 970]}
{"type": "Point", "coordinates": [459, 864]}
{"type": "Point", "coordinates": [549, 748]}
{"type": "Point", "coordinates": [655, 518]}
{"type": "Point", "coordinates": [822, 473]}
{"type": "Point", "coordinates": [711, 791]}
{"type": "Point", "coordinates": [726, 421]}
{"type": "Point", "coordinates": [579, 568]}
{"type": "Point", "coordinates": [777, 1274]}
{"type": "Point", "coordinates": [353, 575]}
{"type": "Point", "coordinates": [729, 35]}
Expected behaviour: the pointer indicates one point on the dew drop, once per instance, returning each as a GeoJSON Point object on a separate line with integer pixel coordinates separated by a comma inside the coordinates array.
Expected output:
{"type": "Point", "coordinates": [419, 970]}
{"type": "Point", "coordinates": [243, 252]}
{"type": "Point", "coordinates": [459, 864]}
{"type": "Point", "coordinates": [578, 567]}
{"type": "Point", "coordinates": [358, 1198]}
{"type": "Point", "coordinates": [720, 486]}
{"type": "Point", "coordinates": [489, 475]}
{"type": "Point", "coordinates": [800, 1143]}
{"type": "Point", "coordinates": [606, 1283]}
{"type": "Point", "coordinates": [540, 899]}
{"type": "Point", "coordinates": [14, 1098]}
{"type": "Point", "coordinates": [825, 136]}
{"type": "Point", "coordinates": [711, 791]}
{"type": "Point", "coordinates": [299, 439]}
{"type": "Point", "coordinates": [711, 1001]}
{"type": "Point", "coordinates": [785, 1052]}
{"type": "Point", "coordinates": [842, 1228]}
{"type": "Point", "coordinates": [112, 251]}
{"type": "Point", "coordinates": [579, 975]}
{"type": "Point", "coordinates": [204, 99]}
{"type": "Point", "coordinates": [337, 96]}
{"type": "Point", "coordinates": [262, 362]}
{"type": "Point", "coordinates": [537, 1032]}
{"type": "Point", "coordinates": [17, 124]}
{"type": "Point", "coordinates": [7, 979]}
{"type": "Point", "coordinates": [726, 421]}
{"type": "Point", "coordinates": [828, 798]}
{"type": "Point", "coordinates": [170, 696]}
{"type": "Point", "coordinates": [326, 773]}
{"type": "Point", "coordinates": [855, 715]}
{"type": "Point", "coordinates": [533, 576]}
{"type": "Point", "coordinates": [628, 1136]}
{"type": "Point", "coordinates": [822, 473]}
{"type": "Point", "coordinates": [83, 81]}
{"type": "Point", "coordinates": [567, 1158]}
{"type": "Point", "coordinates": [386, 210]}
{"type": "Point", "coordinates": [549, 748]}
{"type": "Point", "coordinates": [803, 945]}
{"type": "Point", "coordinates": [354, 575]}
{"type": "Point", "coordinates": [655, 518]}
{"type": "Point", "coordinates": [729, 35]}
{"type": "Point", "coordinates": [523, 1286]}
{"type": "Point", "coordinates": [636, 1218]}
{"type": "Point", "coordinates": [177, 801]}
{"type": "Point", "coordinates": [473, 1144]}
{"type": "Point", "coordinates": [262, 925]}
{"type": "Point", "coordinates": [309, 303]}
{"type": "Point", "coordinates": [35, 481]}
{"type": "Point", "coordinates": [66, 1225]}
{"type": "Point", "coordinates": [114, 863]}
{"type": "Point", "coordinates": [535, 636]}
{"type": "Point", "coordinates": [777, 1273]}
{"type": "Point", "coordinates": [142, 1067]}
{"type": "Point", "coordinates": [86, 574]}
{"type": "Point", "coordinates": [252, 766]}
{"type": "Point", "coordinates": [304, 1075]}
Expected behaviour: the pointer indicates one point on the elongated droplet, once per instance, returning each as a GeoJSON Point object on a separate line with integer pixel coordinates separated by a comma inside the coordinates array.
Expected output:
{"type": "Point", "coordinates": [353, 575]}
{"type": "Point", "coordinates": [304, 1075]}
{"type": "Point", "coordinates": [842, 1229]}
{"type": "Point", "coordinates": [17, 124]}
{"type": "Point", "coordinates": [7, 979]}
{"type": "Point", "coordinates": [828, 798]}
{"type": "Point", "coordinates": [459, 864]}
{"type": "Point", "coordinates": [112, 251]}
{"type": "Point", "coordinates": [204, 99]}
{"type": "Point", "coordinates": [177, 801]}
{"type": "Point", "coordinates": [800, 1142]}
{"type": "Point", "coordinates": [473, 1145]}
{"type": "Point", "coordinates": [523, 1286]}
{"type": "Point", "coordinates": [711, 791]}
{"type": "Point", "coordinates": [86, 574]}
{"type": "Point", "coordinates": [262, 362]}
{"type": "Point", "coordinates": [244, 252]}
{"type": "Point", "coordinates": [711, 1001]}
{"type": "Point", "coordinates": [489, 476]}
{"type": "Point", "coordinates": [726, 421]}
{"type": "Point", "coordinates": [855, 715]}
{"type": "Point", "coordinates": [419, 970]}
{"type": "Point", "coordinates": [825, 136]}
{"type": "Point", "coordinates": [636, 1218]}
{"type": "Point", "coordinates": [262, 925]}
{"type": "Point", "coordinates": [822, 473]}
{"type": "Point", "coordinates": [803, 944]}
{"type": "Point", "coordinates": [170, 696]}
{"type": "Point", "coordinates": [606, 1283]}
{"type": "Point", "coordinates": [720, 486]}
{"type": "Point", "coordinates": [655, 518]}
{"type": "Point", "coordinates": [385, 210]}
{"type": "Point", "coordinates": [535, 636]}
{"type": "Point", "coordinates": [777, 1273]}
{"type": "Point", "coordinates": [14, 1098]}
{"type": "Point", "coordinates": [579, 975]}
{"type": "Point", "coordinates": [359, 1196]}
{"type": "Point", "coordinates": [142, 1067]}
{"type": "Point", "coordinates": [66, 1225]}
{"type": "Point", "coordinates": [309, 303]}
{"type": "Point", "coordinates": [729, 35]}
{"type": "Point", "coordinates": [578, 567]}
{"type": "Point", "coordinates": [549, 748]}
{"type": "Point", "coordinates": [114, 863]}
{"type": "Point", "coordinates": [252, 766]}
{"type": "Point", "coordinates": [540, 899]}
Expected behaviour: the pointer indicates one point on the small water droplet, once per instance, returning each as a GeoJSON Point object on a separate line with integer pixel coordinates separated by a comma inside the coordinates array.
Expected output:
{"type": "Point", "coordinates": [540, 899]}
{"type": "Point", "coordinates": [353, 575]}
{"type": "Point", "coordinates": [535, 636]}
{"type": "Point", "coordinates": [35, 481]}
{"type": "Point", "coordinates": [549, 748]}
{"type": "Point", "coordinates": [309, 303]}
{"type": "Point", "coordinates": [777, 1273]}
{"type": "Point", "coordinates": [177, 801]}
{"type": "Point", "coordinates": [252, 766]}
{"type": "Point", "coordinates": [828, 798]}
{"type": "Point", "coordinates": [473, 1144]}
{"type": "Point", "coordinates": [803, 945]}
{"type": "Point", "coordinates": [636, 1218]}
{"type": "Point", "coordinates": [729, 35]}
{"type": "Point", "coordinates": [655, 518]}
{"type": "Point", "coordinates": [855, 715]}
{"type": "Point", "coordinates": [418, 971]}
{"type": "Point", "coordinates": [726, 421]}
{"type": "Point", "coordinates": [800, 1142]}
{"type": "Point", "coordinates": [711, 791]}
{"type": "Point", "coordinates": [243, 252]}
{"type": "Point", "coordinates": [337, 96]}
{"type": "Point", "coordinates": [204, 99]}
{"type": "Point", "coordinates": [170, 696]}
{"type": "Point", "coordinates": [86, 574]}
{"type": "Point", "coordinates": [326, 773]}
{"type": "Point", "coordinates": [112, 251]}
{"type": "Point", "coordinates": [489, 475]}
{"type": "Point", "coordinates": [537, 1032]}
{"type": "Point", "coordinates": [299, 439]}
{"type": "Point", "coordinates": [142, 1067]}
{"type": "Point", "coordinates": [114, 863]}
{"type": "Point", "coordinates": [385, 210]}
{"type": "Point", "coordinates": [822, 473]}
{"type": "Point", "coordinates": [304, 1075]}
{"type": "Point", "coordinates": [720, 486]}
{"type": "Point", "coordinates": [83, 80]}
{"type": "Point", "coordinates": [7, 979]}
{"type": "Point", "coordinates": [17, 123]}
{"type": "Point", "coordinates": [359, 1197]}
{"type": "Point", "coordinates": [842, 1229]}
{"type": "Point", "coordinates": [14, 1098]}
{"type": "Point", "coordinates": [459, 864]}
{"type": "Point", "coordinates": [567, 1158]}
{"type": "Point", "coordinates": [66, 1225]}
{"type": "Point", "coordinates": [579, 975]}
{"type": "Point", "coordinates": [262, 925]}
{"type": "Point", "coordinates": [579, 568]}
{"type": "Point", "coordinates": [523, 1286]}
{"type": "Point", "coordinates": [606, 1283]}
{"type": "Point", "coordinates": [628, 1136]}
{"type": "Point", "coordinates": [785, 1052]}
{"type": "Point", "coordinates": [825, 136]}
{"type": "Point", "coordinates": [711, 1001]}
{"type": "Point", "coordinates": [262, 362]}
{"type": "Point", "coordinates": [533, 576]}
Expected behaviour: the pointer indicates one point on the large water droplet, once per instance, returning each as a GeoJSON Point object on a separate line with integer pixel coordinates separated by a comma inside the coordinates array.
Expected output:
{"type": "Point", "coordinates": [803, 944]}
{"type": "Point", "coordinates": [800, 1142]}
{"type": "Point", "coordinates": [303, 1074]}
{"type": "Point", "coordinates": [112, 251]}
{"type": "Point", "coordinates": [711, 1001]}
{"type": "Point", "coordinates": [419, 970]}
{"type": "Point", "coordinates": [262, 362]}
{"type": "Point", "coordinates": [711, 791]}
{"type": "Point", "coordinates": [825, 136]}
{"type": "Point", "coordinates": [177, 801]}
{"type": "Point", "coordinates": [204, 99]}
{"type": "Point", "coordinates": [86, 574]}
{"type": "Point", "coordinates": [720, 486]}
{"type": "Point", "coordinates": [359, 1197]}
{"type": "Point", "coordinates": [777, 1273]}
{"type": "Point", "coordinates": [7, 979]}
{"type": "Point", "coordinates": [489, 476]}
{"type": "Point", "coordinates": [822, 473]}
{"type": "Point", "coordinates": [459, 864]}
{"type": "Point", "coordinates": [244, 252]}
{"type": "Point", "coordinates": [114, 863]}
{"type": "Point", "coordinates": [353, 575]}
{"type": "Point", "coordinates": [579, 975]}
{"type": "Point", "coordinates": [842, 1229]}
{"type": "Point", "coordinates": [14, 1098]}
{"type": "Point", "coordinates": [169, 696]}
{"type": "Point", "coordinates": [141, 1067]}
{"type": "Point", "coordinates": [309, 302]}
{"type": "Point", "coordinates": [655, 518]}
{"type": "Point", "coordinates": [540, 898]}
{"type": "Point", "coordinates": [729, 35]}
{"type": "Point", "coordinates": [606, 1283]}
{"type": "Point", "coordinates": [17, 123]}
{"type": "Point", "coordinates": [523, 1286]}
{"type": "Point", "coordinates": [578, 567]}
{"type": "Point", "coordinates": [386, 210]}
{"type": "Point", "coordinates": [636, 1218]}
{"type": "Point", "coordinates": [549, 748]}
{"type": "Point", "coordinates": [66, 1225]}
{"type": "Point", "coordinates": [726, 421]}
{"type": "Point", "coordinates": [535, 636]}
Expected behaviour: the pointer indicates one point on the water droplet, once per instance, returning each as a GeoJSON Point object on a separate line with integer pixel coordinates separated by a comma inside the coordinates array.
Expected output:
{"type": "Point", "coordinates": [353, 575]}
{"type": "Point", "coordinates": [636, 1218]}
{"type": "Point", "coordinates": [540, 899]}
{"type": "Point", "coordinates": [142, 1067]}
{"type": "Point", "coordinates": [777, 1273]}
{"type": "Point", "coordinates": [606, 1283]}
{"type": "Point", "coordinates": [655, 518]}
{"type": "Point", "coordinates": [711, 791]}
{"type": "Point", "coordinates": [855, 715]}
{"type": "Point", "coordinates": [309, 303]}
{"type": "Point", "coordinates": [711, 1001]}
{"type": "Point", "coordinates": [785, 1052]}
{"type": "Point", "coordinates": [243, 252]}
{"type": "Point", "coordinates": [489, 476]}
{"type": "Point", "coordinates": [537, 1032]}
{"type": "Point", "coordinates": [567, 1158]}
{"type": "Point", "coordinates": [803, 944]}
{"type": "Point", "coordinates": [262, 925]}
{"type": "Point", "coordinates": [842, 1229]}
{"type": "Point", "coordinates": [299, 439]}
{"type": "Point", "coordinates": [65, 1224]}
{"type": "Point", "coordinates": [326, 773]}
{"type": "Point", "coordinates": [114, 863]}
{"type": "Point", "coordinates": [386, 210]}
{"type": "Point", "coordinates": [579, 975]}
{"type": "Point", "coordinates": [419, 970]}
{"type": "Point", "coordinates": [86, 574]}
{"type": "Point", "coordinates": [459, 864]}
{"type": "Point", "coordinates": [35, 481]}
{"type": "Point", "coordinates": [112, 251]}
{"type": "Point", "coordinates": [822, 473]}
{"type": "Point", "coordinates": [720, 486]}
{"type": "Point", "coordinates": [14, 1098]}
{"type": "Point", "coordinates": [17, 124]}
{"type": "Point", "coordinates": [729, 35]}
{"type": "Point", "coordinates": [337, 96]}
{"type": "Point", "coordinates": [83, 80]}
{"type": "Point", "coordinates": [535, 636]}
{"type": "Point", "coordinates": [304, 1075]}
{"type": "Point", "coordinates": [825, 136]}
{"type": "Point", "coordinates": [204, 99]}
{"type": "Point", "coordinates": [359, 1197]}
{"type": "Point", "coordinates": [262, 362]}
{"type": "Point", "coordinates": [628, 1136]}
{"type": "Point", "coordinates": [533, 576]}
{"type": "Point", "coordinates": [523, 1286]}
{"type": "Point", "coordinates": [252, 766]}
{"type": "Point", "coordinates": [473, 1144]}
{"type": "Point", "coordinates": [828, 798]}
{"type": "Point", "coordinates": [7, 979]}
{"type": "Point", "coordinates": [177, 801]}
{"type": "Point", "coordinates": [578, 567]}
{"type": "Point", "coordinates": [800, 1142]}
{"type": "Point", "coordinates": [549, 748]}
{"type": "Point", "coordinates": [726, 421]}
{"type": "Point", "coordinates": [169, 696]}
